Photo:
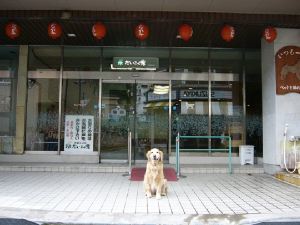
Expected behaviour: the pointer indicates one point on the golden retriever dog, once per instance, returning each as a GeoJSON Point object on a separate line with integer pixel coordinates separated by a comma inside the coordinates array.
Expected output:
{"type": "Point", "coordinates": [154, 179]}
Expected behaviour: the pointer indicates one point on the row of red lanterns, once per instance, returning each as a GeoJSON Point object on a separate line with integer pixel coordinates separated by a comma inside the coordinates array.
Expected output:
{"type": "Point", "coordinates": [142, 31]}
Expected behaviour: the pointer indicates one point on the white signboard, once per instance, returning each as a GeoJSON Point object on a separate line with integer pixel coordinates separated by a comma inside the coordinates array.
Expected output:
{"type": "Point", "coordinates": [79, 133]}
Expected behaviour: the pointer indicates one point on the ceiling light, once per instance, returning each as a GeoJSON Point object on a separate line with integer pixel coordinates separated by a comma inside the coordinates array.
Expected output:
{"type": "Point", "coordinates": [161, 90]}
{"type": "Point", "coordinates": [65, 15]}
{"type": "Point", "coordinates": [71, 35]}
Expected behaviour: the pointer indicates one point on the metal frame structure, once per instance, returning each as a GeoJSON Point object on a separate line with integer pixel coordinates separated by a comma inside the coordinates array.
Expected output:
{"type": "Point", "coordinates": [133, 76]}
{"type": "Point", "coordinates": [210, 150]}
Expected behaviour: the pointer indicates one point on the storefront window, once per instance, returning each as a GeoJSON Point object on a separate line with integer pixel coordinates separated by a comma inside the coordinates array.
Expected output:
{"type": "Point", "coordinates": [254, 101]}
{"type": "Point", "coordinates": [227, 97]}
{"type": "Point", "coordinates": [43, 98]}
{"type": "Point", "coordinates": [187, 60]}
{"type": "Point", "coordinates": [80, 99]}
{"type": "Point", "coordinates": [8, 81]}
{"type": "Point", "coordinates": [190, 111]}
{"type": "Point", "coordinates": [82, 58]}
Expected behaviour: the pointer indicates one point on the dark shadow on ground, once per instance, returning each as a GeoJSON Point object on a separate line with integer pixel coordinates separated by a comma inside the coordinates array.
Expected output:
{"type": "Point", "coordinates": [7, 221]}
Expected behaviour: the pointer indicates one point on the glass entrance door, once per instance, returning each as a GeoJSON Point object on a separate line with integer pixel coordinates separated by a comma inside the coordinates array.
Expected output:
{"type": "Point", "coordinates": [137, 107]}
{"type": "Point", "coordinates": [79, 130]}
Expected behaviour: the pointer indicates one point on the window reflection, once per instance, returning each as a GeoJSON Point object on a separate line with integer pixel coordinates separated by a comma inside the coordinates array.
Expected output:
{"type": "Point", "coordinates": [43, 99]}
{"type": "Point", "coordinates": [8, 81]}
{"type": "Point", "coordinates": [227, 99]}
{"type": "Point", "coordinates": [190, 112]}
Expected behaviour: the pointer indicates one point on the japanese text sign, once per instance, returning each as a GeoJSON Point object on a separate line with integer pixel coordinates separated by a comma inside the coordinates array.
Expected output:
{"type": "Point", "coordinates": [79, 133]}
{"type": "Point", "coordinates": [287, 62]}
{"type": "Point", "coordinates": [138, 63]}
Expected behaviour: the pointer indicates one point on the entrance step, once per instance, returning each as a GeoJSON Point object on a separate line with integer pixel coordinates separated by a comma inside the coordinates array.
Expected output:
{"type": "Point", "coordinates": [123, 168]}
{"type": "Point", "coordinates": [221, 168]}
{"type": "Point", "coordinates": [289, 178]}
{"type": "Point", "coordinates": [60, 167]}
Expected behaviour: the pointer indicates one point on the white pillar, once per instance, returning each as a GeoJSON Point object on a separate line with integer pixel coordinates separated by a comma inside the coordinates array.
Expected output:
{"type": "Point", "coordinates": [277, 109]}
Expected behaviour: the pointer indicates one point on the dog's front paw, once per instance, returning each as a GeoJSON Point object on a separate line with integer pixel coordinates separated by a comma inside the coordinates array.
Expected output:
{"type": "Point", "coordinates": [148, 194]}
{"type": "Point", "coordinates": [158, 196]}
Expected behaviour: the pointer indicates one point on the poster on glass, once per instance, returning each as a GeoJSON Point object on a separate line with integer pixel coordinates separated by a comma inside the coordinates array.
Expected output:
{"type": "Point", "coordinates": [79, 136]}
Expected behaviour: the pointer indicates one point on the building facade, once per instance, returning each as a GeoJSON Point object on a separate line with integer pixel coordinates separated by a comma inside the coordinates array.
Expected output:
{"type": "Point", "coordinates": [79, 99]}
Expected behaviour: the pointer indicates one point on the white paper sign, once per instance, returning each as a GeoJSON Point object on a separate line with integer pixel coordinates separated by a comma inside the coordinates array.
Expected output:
{"type": "Point", "coordinates": [79, 133]}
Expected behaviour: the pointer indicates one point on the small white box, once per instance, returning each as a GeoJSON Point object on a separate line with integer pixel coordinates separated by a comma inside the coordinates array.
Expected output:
{"type": "Point", "coordinates": [246, 153]}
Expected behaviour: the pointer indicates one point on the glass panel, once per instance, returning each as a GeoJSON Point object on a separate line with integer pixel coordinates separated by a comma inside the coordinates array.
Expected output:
{"type": "Point", "coordinates": [44, 58]}
{"type": "Point", "coordinates": [152, 113]}
{"type": "Point", "coordinates": [161, 53]}
{"type": "Point", "coordinates": [189, 60]}
{"type": "Point", "coordinates": [143, 109]}
{"type": "Point", "coordinates": [254, 101]}
{"type": "Point", "coordinates": [227, 98]}
{"type": "Point", "coordinates": [190, 113]}
{"type": "Point", "coordinates": [43, 99]}
{"type": "Point", "coordinates": [80, 99]}
{"type": "Point", "coordinates": [82, 58]}
{"type": "Point", "coordinates": [117, 116]}
{"type": "Point", "coordinates": [9, 57]}
{"type": "Point", "coordinates": [190, 107]}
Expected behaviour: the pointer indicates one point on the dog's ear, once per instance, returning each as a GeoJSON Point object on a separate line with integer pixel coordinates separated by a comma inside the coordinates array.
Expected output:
{"type": "Point", "coordinates": [161, 156]}
{"type": "Point", "coordinates": [148, 154]}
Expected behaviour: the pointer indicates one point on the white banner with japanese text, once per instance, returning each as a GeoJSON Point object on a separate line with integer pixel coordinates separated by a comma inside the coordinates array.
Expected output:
{"type": "Point", "coordinates": [79, 133]}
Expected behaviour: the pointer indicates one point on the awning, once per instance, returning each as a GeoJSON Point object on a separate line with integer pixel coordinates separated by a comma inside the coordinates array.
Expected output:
{"type": "Point", "coordinates": [157, 104]}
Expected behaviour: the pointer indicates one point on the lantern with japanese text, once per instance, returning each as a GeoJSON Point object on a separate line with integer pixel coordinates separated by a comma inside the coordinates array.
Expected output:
{"type": "Point", "coordinates": [12, 30]}
{"type": "Point", "coordinates": [227, 33]}
{"type": "Point", "coordinates": [99, 30]}
{"type": "Point", "coordinates": [141, 31]}
{"type": "Point", "coordinates": [270, 34]}
{"type": "Point", "coordinates": [54, 30]}
{"type": "Point", "coordinates": [185, 32]}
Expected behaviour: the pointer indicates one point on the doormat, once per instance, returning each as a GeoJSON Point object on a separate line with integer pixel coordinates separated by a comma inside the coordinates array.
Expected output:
{"type": "Point", "coordinates": [137, 174]}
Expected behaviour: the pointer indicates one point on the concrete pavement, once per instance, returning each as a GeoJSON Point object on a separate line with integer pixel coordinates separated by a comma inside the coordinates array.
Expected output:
{"type": "Point", "coordinates": [110, 198]}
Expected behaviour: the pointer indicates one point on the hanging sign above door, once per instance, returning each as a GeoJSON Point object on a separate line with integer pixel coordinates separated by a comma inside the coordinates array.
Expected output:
{"type": "Point", "coordinates": [79, 133]}
{"type": "Point", "coordinates": [287, 62]}
{"type": "Point", "coordinates": [135, 63]}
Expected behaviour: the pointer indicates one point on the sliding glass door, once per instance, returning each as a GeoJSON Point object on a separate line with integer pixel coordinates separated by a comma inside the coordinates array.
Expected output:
{"type": "Point", "coordinates": [140, 108]}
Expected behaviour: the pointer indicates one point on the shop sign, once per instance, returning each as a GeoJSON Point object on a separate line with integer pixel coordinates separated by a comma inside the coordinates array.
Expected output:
{"type": "Point", "coordinates": [203, 94]}
{"type": "Point", "coordinates": [79, 133]}
{"type": "Point", "coordinates": [135, 63]}
{"type": "Point", "coordinates": [287, 61]}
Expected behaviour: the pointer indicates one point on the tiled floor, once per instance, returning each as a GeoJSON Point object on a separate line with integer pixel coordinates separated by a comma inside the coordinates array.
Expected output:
{"type": "Point", "coordinates": [114, 193]}
{"type": "Point", "coordinates": [122, 168]}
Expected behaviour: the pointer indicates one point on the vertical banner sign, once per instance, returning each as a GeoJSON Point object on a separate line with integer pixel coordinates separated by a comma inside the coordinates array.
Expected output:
{"type": "Point", "coordinates": [79, 133]}
{"type": "Point", "coordinates": [287, 62]}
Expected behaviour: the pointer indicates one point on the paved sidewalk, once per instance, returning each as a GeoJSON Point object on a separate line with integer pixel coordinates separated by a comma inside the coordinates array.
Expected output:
{"type": "Point", "coordinates": [111, 197]}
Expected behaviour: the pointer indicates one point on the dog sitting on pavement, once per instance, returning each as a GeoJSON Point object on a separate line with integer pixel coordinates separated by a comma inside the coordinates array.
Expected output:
{"type": "Point", "coordinates": [154, 179]}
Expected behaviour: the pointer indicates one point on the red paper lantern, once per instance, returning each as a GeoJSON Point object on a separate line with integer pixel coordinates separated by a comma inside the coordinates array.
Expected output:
{"type": "Point", "coordinates": [227, 33]}
{"type": "Point", "coordinates": [99, 30]}
{"type": "Point", "coordinates": [141, 31]}
{"type": "Point", "coordinates": [270, 34]}
{"type": "Point", "coordinates": [12, 30]}
{"type": "Point", "coordinates": [185, 31]}
{"type": "Point", "coordinates": [54, 30]}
